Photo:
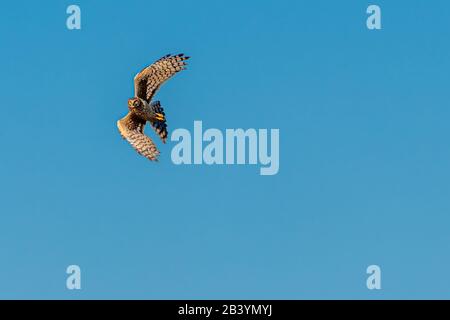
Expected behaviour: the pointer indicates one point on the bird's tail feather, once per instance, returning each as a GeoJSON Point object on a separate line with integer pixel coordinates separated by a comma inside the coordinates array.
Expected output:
{"type": "Point", "coordinates": [160, 126]}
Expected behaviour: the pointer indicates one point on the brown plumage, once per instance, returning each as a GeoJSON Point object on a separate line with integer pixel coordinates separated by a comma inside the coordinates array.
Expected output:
{"type": "Point", "coordinates": [148, 81]}
{"type": "Point", "coordinates": [141, 109]}
{"type": "Point", "coordinates": [131, 128]}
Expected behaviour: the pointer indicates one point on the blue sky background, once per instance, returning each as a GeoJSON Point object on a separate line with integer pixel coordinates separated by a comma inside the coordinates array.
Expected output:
{"type": "Point", "coordinates": [364, 152]}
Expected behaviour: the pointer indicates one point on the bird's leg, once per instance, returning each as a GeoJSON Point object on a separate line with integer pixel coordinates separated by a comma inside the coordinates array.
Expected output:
{"type": "Point", "coordinates": [160, 117]}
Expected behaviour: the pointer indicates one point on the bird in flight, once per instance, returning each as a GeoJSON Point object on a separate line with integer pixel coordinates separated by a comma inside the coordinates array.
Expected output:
{"type": "Point", "coordinates": [141, 108]}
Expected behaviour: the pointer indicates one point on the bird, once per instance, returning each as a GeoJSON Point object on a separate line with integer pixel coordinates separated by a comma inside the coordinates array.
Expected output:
{"type": "Point", "coordinates": [141, 108]}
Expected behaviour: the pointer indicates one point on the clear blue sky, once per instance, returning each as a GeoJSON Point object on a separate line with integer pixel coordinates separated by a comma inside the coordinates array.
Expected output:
{"type": "Point", "coordinates": [364, 151]}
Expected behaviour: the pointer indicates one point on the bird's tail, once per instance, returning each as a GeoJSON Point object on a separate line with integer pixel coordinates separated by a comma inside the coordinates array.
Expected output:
{"type": "Point", "coordinates": [159, 125]}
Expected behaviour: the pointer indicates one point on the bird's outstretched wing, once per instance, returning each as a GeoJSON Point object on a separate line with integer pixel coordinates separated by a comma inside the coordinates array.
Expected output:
{"type": "Point", "coordinates": [148, 81]}
{"type": "Point", "coordinates": [132, 129]}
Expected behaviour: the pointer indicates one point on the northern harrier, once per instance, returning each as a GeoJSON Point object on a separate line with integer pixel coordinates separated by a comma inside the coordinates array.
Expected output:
{"type": "Point", "coordinates": [141, 109]}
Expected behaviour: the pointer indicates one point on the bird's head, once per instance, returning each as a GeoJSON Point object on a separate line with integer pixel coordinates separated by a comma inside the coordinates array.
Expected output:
{"type": "Point", "coordinates": [133, 103]}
